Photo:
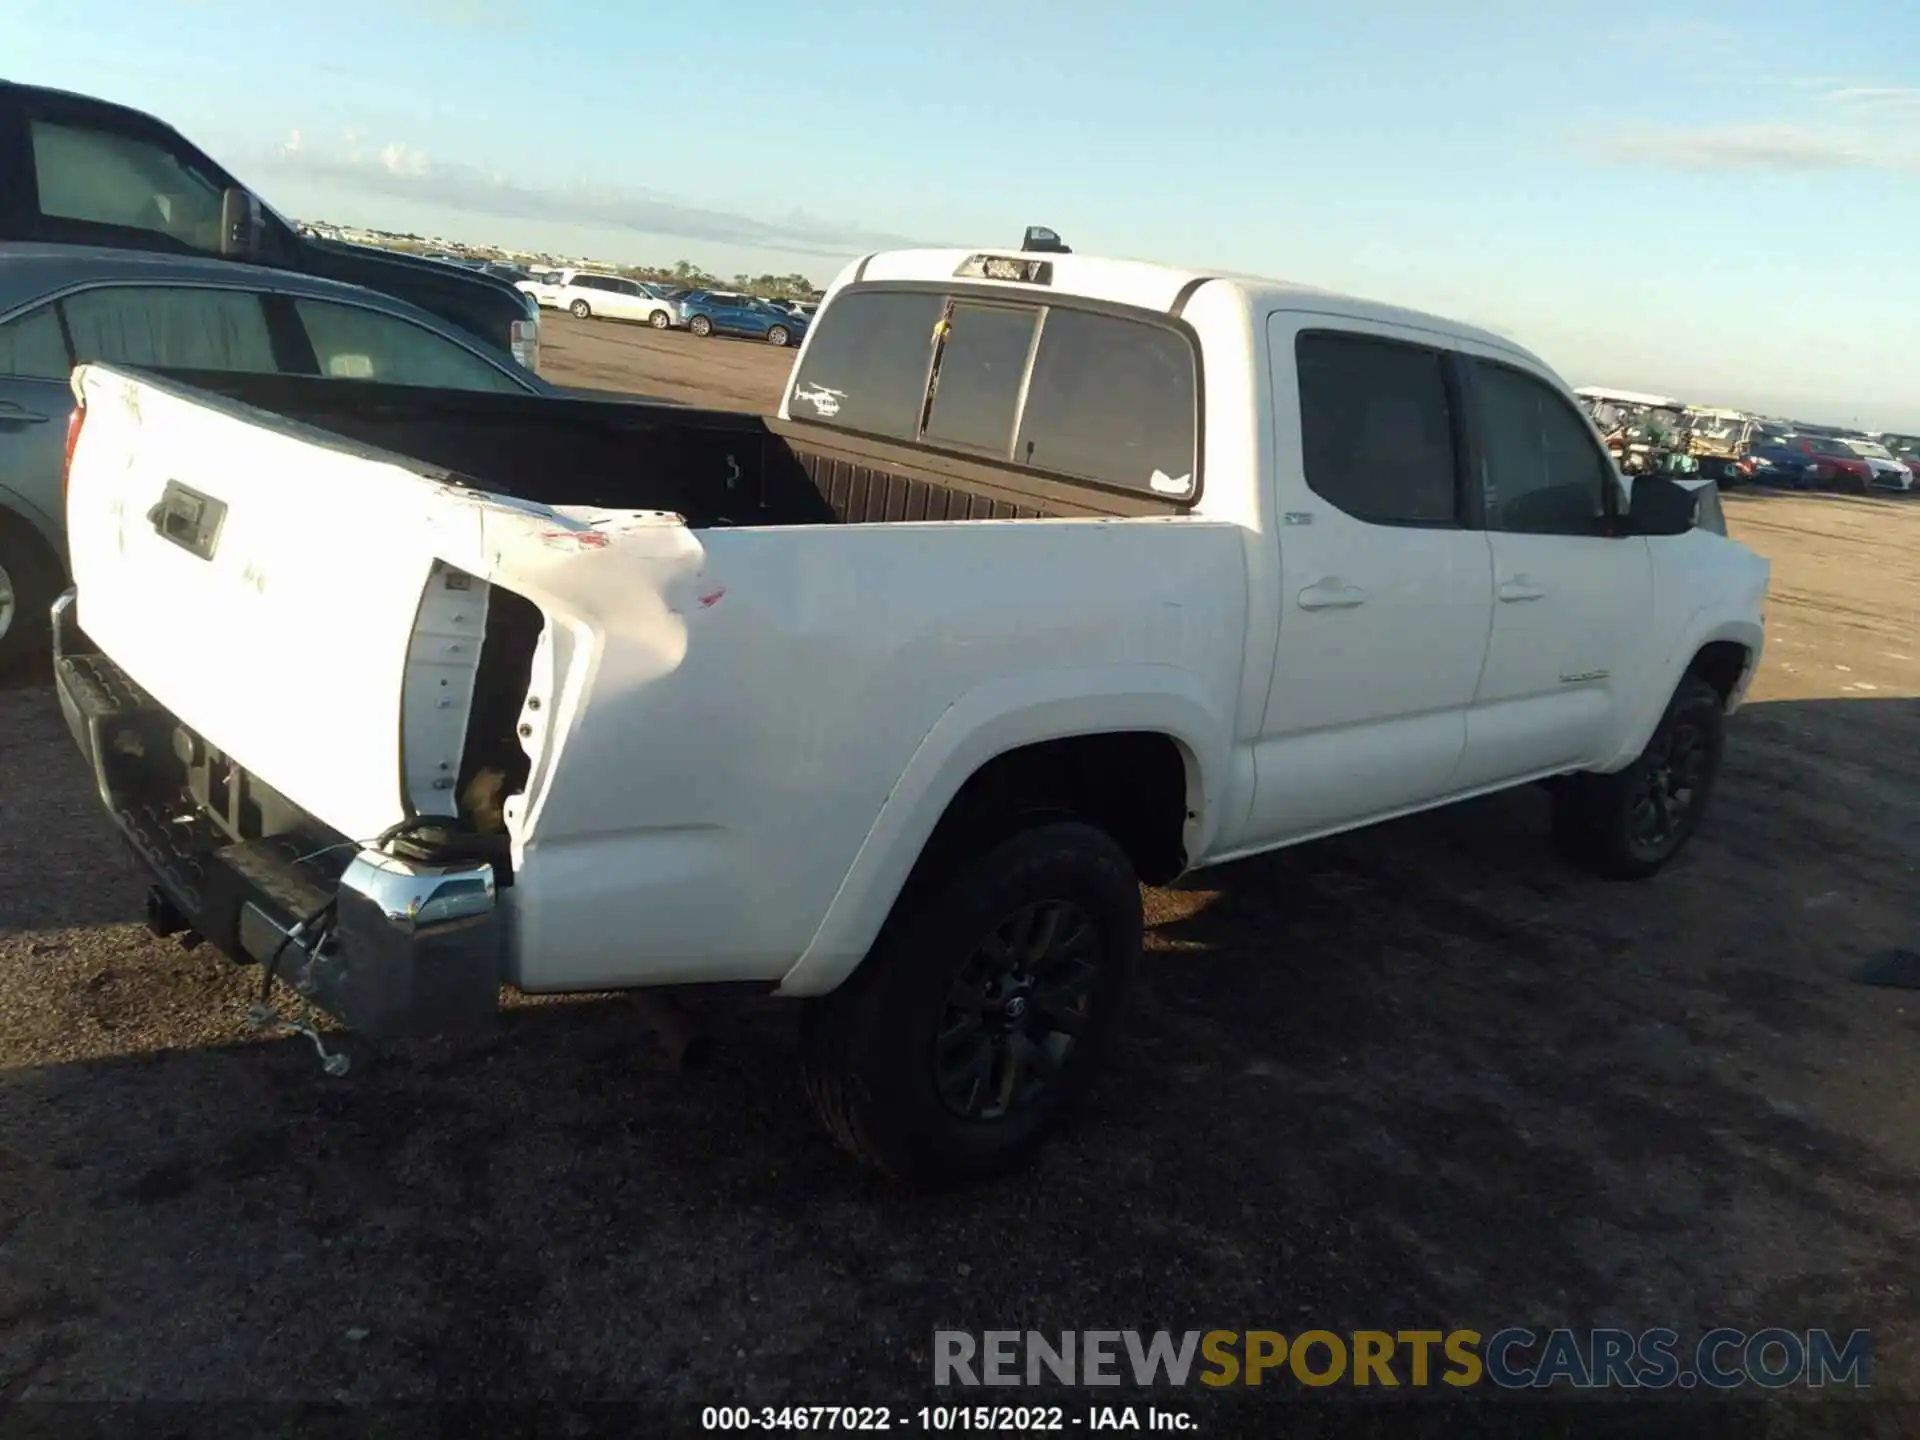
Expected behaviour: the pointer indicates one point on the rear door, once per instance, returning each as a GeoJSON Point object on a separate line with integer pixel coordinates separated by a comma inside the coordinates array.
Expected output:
{"type": "Point", "coordinates": [623, 300]}
{"type": "Point", "coordinates": [1573, 596]}
{"type": "Point", "coordinates": [735, 314]}
{"type": "Point", "coordinates": [1386, 578]}
{"type": "Point", "coordinates": [34, 405]}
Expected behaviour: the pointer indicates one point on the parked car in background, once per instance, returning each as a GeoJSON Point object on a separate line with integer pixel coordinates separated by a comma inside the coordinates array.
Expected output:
{"type": "Point", "coordinates": [1839, 465]}
{"type": "Point", "coordinates": [615, 297]}
{"type": "Point", "coordinates": [803, 308]}
{"type": "Point", "coordinates": [1780, 460]}
{"type": "Point", "coordinates": [75, 170]}
{"type": "Point", "coordinates": [545, 286]}
{"type": "Point", "coordinates": [723, 312]}
{"type": "Point", "coordinates": [1889, 471]}
{"type": "Point", "coordinates": [67, 305]}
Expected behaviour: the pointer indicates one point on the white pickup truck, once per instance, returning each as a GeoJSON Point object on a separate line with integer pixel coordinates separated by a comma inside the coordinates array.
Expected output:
{"type": "Point", "coordinates": [1053, 575]}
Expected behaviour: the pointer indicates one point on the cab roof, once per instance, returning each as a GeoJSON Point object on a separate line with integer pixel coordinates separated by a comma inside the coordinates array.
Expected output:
{"type": "Point", "coordinates": [1149, 286]}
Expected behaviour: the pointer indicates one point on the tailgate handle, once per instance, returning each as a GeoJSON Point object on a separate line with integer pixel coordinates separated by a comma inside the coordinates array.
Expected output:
{"type": "Point", "coordinates": [189, 519]}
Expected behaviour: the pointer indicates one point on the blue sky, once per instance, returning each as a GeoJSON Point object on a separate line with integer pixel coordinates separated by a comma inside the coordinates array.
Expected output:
{"type": "Point", "coordinates": [1716, 200]}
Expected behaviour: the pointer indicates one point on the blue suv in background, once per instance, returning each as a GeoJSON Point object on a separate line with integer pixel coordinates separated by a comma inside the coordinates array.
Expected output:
{"type": "Point", "coordinates": [721, 312]}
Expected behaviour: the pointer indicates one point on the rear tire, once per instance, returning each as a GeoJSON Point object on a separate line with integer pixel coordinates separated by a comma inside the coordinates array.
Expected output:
{"type": "Point", "coordinates": [985, 1009]}
{"type": "Point", "coordinates": [701, 326]}
{"type": "Point", "coordinates": [29, 579]}
{"type": "Point", "coordinates": [581, 310]}
{"type": "Point", "coordinates": [660, 320]}
{"type": "Point", "coordinates": [1631, 824]}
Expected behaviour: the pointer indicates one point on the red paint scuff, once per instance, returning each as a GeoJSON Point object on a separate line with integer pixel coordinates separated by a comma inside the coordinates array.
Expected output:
{"type": "Point", "coordinates": [579, 539]}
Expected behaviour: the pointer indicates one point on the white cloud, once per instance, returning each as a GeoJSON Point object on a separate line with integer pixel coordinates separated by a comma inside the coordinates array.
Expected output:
{"type": "Point", "coordinates": [1748, 147]}
{"type": "Point", "coordinates": [403, 171]}
{"type": "Point", "coordinates": [1895, 100]}
{"type": "Point", "coordinates": [402, 159]}
{"type": "Point", "coordinates": [1839, 122]}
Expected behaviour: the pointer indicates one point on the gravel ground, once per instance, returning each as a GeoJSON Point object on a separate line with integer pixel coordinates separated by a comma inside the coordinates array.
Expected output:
{"type": "Point", "coordinates": [1418, 1076]}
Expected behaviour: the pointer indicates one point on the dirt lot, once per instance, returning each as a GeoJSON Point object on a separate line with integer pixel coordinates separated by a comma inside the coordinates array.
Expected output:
{"type": "Point", "coordinates": [1421, 1076]}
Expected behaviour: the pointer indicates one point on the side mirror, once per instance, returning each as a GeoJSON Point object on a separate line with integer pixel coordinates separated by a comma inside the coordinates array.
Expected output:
{"type": "Point", "coordinates": [1042, 240]}
{"type": "Point", "coordinates": [1660, 507]}
{"type": "Point", "coordinates": [240, 224]}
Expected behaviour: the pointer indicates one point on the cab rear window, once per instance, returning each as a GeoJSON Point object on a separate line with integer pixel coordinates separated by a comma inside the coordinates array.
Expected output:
{"type": "Point", "coordinates": [1081, 394]}
{"type": "Point", "coordinates": [866, 368]}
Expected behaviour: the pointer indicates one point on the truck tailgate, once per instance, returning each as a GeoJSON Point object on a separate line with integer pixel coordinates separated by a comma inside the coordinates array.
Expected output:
{"type": "Point", "coordinates": [263, 581]}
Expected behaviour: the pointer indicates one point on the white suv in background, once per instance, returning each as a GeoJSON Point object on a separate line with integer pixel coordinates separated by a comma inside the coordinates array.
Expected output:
{"type": "Point", "coordinates": [614, 297]}
{"type": "Point", "coordinates": [545, 285]}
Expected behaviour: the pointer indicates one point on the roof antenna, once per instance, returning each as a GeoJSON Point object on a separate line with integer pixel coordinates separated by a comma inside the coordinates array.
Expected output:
{"type": "Point", "coordinates": [1041, 240]}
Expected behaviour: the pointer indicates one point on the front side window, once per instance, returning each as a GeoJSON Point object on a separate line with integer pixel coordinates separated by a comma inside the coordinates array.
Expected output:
{"type": "Point", "coordinates": [105, 178]}
{"type": "Point", "coordinates": [1376, 429]}
{"type": "Point", "coordinates": [176, 327]}
{"type": "Point", "coordinates": [1114, 401]}
{"type": "Point", "coordinates": [866, 365]}
{"type": "Point", "coordinates": [352, 343]}
{"type": "Point", "coordinates": [976, 392]}
{"type": "Point", "coordinates": [1541, 472]}
{"type": "Point", "coordinates": [32, 347]}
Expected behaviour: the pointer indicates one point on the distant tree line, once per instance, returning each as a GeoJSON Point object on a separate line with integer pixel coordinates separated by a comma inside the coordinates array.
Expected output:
{"type": "Point", "coordinates": [681, 272]}
{"type": "Point", "coordinates": [685, 272]}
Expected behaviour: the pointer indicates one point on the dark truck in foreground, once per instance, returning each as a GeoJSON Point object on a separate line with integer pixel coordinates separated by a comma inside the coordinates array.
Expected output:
{"type": "Point", "coordinates": [83, 171]}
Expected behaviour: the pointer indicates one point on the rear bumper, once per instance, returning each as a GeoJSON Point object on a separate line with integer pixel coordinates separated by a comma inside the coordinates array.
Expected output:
{"type": "Point", "coordinates": [410, 949]}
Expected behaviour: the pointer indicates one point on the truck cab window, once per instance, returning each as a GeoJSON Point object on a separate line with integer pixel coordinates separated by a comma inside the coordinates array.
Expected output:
{"type": "Point", "coordinates": [1376, 429]}
{"type": "Point", "coordinates": [103, 177]}
{"type": "Point", "coordinates": [1541, 472]}
{"type": "Point", "coordinates": [866, 368]}
{"type": "Point", "coordinates": [1113, 401]}
{"type": "Point", "coordinates": [977, 390]}
{"type": "Point", "coordinates": [187, 327]}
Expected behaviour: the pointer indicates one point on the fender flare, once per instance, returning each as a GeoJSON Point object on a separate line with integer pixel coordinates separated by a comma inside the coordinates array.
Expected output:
{"type": "Point", "coordinates": [983, 724]}
{"type": "Point", "coordinates": [1665, 680]}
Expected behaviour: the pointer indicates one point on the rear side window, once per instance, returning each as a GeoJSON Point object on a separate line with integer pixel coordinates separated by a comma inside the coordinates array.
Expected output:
{"type": "Point", "coordinates": [1376, 429]}
{"type": "Point", "coordinates": [351, 343]}
{"type": "Point", "coordinates": [31, 347]}
{"type": "Point", "coordinates": [183, 327]}
{"type": "Point", "coordinates": [1542, 472]}
{"type": "Point", "coordinates": [977, 391]}
{"type": "Point", "coordinates": [1114, 401]}
{"type": "Point", "coordinates": [866, 367]}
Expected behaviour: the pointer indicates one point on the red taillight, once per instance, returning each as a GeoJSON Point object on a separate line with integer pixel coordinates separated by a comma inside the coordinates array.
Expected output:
{"type": "Point", "coordinates": [74, 421]}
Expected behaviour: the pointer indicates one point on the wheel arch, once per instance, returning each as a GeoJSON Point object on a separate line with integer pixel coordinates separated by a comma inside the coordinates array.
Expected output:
{"type": "Point", "coordinates": [987, 746]}
{"type": "Point", "coordinates": [1724, 655]}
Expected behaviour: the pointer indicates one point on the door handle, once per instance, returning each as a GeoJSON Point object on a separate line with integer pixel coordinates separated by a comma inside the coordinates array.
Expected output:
{"type": "Point", "coordinates": [1331, 595]}
{"type": "Point", "coordinates": [1520, 587]}
{"type": "Point", "coordinates": [188, 519]}
{"type": "Point", "coordinates": [13, 412]}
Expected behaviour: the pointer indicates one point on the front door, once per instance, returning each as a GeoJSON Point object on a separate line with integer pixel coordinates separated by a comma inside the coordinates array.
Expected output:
{"type": "Point", "coordinates": [1573, 595]}
{"type": "Point", "coordinates": [1386, 582]}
